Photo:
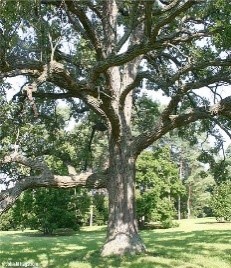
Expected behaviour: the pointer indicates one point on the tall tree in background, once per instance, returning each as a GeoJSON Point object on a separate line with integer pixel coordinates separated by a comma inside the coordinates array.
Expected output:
{"type": "Point", "coordinates": [100, 53]}
{"type": "Point", "coordinates": [195, 175]}
{"type": "Point", "coordinates": [158, 186]}
{"type": "Point", "coordinates": [221, 201]}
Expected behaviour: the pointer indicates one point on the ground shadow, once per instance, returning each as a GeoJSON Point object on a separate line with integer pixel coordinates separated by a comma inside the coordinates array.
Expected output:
{"type": "Point", "coordinates": [214, 222]}
{"type": "Point", "coordinates": [179, 245]}
{"type": "Point", "coordinates": [82, 249]}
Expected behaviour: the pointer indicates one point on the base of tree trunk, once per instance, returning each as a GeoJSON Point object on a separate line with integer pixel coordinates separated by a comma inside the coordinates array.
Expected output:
{"type": "Point", "coordinates": [123, 244]}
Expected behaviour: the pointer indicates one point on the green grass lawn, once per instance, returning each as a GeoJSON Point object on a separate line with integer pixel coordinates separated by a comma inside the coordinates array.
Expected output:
{"type": "Point", "coordinates": [195, 243]}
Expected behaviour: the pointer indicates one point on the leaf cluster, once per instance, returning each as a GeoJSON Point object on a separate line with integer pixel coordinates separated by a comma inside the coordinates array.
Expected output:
{"type": "Point", "coordinates": [221, 201]}
{"type": "Point", "coordinates": [50, 209]}
{"type": "Point", "coordinates": [158, 184]}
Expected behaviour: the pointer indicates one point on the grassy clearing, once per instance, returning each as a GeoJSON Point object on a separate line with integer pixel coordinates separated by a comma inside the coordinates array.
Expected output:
{"type": "Point", "coordinates": [195, 243]}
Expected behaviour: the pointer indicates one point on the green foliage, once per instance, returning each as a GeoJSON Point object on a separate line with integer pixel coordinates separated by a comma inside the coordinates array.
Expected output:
{"type": "Point", "coordinates": [221, 201]}
{"type": "Point", "coordinates": [43, 209]}
{"type": "Point", "coordinates": [49, 209]}
{"type": "Point", "coordinates": [221, 170]}
{"type": "Point", "coordinates": [199, 186]}
{"type": "Point", "coordinates": [84, 54]}
{"type": "Point", "coordinates": [7, 222]}
{"type": "Point", "coordinates": [165, 211]}
{"type": "Point", "coordinates": [100, 211]}
{"type": "Point", "coordinates": [158, 186]}
{"type": "Point", "coordinates": [196, 177]}
{"type": "Point", "coordinates": [80, 203]}
{"type": "Point", "coordinates": [145, 113]}
{"type": "Point", "coordinates": [219, 22]}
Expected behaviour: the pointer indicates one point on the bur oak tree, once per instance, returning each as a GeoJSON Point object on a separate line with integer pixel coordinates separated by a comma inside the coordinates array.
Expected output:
{"type": "Point", "coordinates": [97, 55]}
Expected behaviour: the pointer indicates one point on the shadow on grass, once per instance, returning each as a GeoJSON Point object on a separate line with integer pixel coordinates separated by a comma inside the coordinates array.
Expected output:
{"type": "Point", "coordinates": [179, 245]}
{"type": "Point", "coordinates": [214, 222]}
{"type": "Point", "coordinates": [166, 249]}
{"type": "Point", "coordinates": [48, 251]}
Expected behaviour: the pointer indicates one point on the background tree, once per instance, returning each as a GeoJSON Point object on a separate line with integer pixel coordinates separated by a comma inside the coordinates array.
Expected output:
{"type": "Point", "coordinates": [100, 208]}
{"type": "Point", "coordinates": [199, 186]}
{"type": "Point", "coordinates": [7, 221]}
{"type": "Point", "coordinates": [195, 175]}
{"type": "Point", "coordinates": [158, 186]}
{"type": "Point", "coordinates": [96, 55]}
{"type": "Point", "coordinates": [221, 201]}
{"type": "Point", "coordinates": [47, 210]}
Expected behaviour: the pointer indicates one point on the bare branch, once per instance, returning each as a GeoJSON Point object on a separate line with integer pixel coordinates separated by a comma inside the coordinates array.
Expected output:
{"type": "Point", "coordinates": [172, 5]}
{"type": "Point", "coordinates": [139, 77]}
{"type": "Point", "coordinates": [164, 125]}
{"type": "Point", "coordinates": [221, 126]}
{"type": "Point", "coordinates": [140, 49]}
{"type": "Point", "coordinates": [133, 23]}
{"type": "Point", "coordinates": [46, 179]}
{"type": "Point", "coordinates": [76, 9]}
{"type": "Point", "coordinates": [54, 96]}
{"type": "Point", "coordinates": [194, 66]}
{"type": "Point", "coordinates": [175, 11]}
{"type": "Point", "coordinates": [32, 69]}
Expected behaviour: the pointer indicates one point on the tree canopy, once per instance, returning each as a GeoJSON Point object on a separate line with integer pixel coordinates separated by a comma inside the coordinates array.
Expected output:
{"type": "Point", "coordinates": [98, 56]}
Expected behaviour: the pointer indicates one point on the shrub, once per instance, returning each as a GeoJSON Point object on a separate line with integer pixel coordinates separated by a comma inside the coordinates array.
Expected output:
{"type": "Point", "coordinates": [6, 222]}
{"type": "Point", "coordinates": [221, 201]}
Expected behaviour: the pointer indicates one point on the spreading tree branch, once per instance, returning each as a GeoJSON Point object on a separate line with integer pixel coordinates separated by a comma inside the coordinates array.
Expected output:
{"type": "Point", "coordinates": [46, 178]}
{"type": "Point", "coordinates": [176, 10]}
{"type": "Point", "coordinates": [165, 124]}
{"type": "Point", "coordinates": [89, 30]}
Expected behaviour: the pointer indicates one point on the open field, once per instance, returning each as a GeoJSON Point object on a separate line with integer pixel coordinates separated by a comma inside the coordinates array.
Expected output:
{"type": "Point", "coordinates": [195, 243]}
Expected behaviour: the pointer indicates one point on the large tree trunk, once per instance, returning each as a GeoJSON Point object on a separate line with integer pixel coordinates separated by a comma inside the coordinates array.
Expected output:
{"type": "Point", "coordinates": [189, 201]}
{"type": "Point", "coordinates": [122, 236]}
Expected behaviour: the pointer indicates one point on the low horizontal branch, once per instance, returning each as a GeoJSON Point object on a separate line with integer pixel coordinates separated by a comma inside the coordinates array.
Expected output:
{"type": "Point", "coordinates": [46, 179]}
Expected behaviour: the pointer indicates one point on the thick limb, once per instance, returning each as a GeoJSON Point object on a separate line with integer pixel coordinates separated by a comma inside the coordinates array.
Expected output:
{"type": "Point", "coordinates": [29, 92]}
{"type": "Point", "coordinates": [46, 179]}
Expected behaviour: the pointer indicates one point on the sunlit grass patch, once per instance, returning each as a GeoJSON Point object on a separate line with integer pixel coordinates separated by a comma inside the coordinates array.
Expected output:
{"type": "Point", "coordinates": [194, 244]}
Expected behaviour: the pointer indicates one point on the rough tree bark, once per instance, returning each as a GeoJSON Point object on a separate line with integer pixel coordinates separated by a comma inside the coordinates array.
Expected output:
{"type": "Point", "coordinates": [122, 234]}
{"type": "Point", "coordinates": [154, 33]}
